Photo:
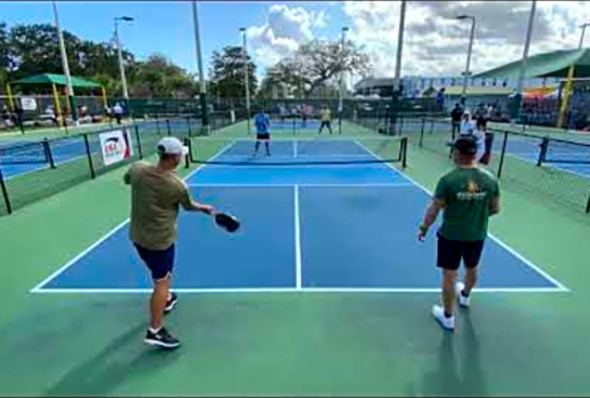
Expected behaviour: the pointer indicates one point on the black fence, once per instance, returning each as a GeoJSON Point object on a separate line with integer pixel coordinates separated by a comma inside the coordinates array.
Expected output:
{"type": "Point", "coordinates": [555, 169]}
{"type": "Point", "coordinates": [35, 170]}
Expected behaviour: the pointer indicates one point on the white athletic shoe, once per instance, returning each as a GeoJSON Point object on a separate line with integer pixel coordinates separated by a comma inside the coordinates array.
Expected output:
{"type": "Point", "coordinates": [439, 314]}
{"type": "Point", "coordinates": [463, 301]}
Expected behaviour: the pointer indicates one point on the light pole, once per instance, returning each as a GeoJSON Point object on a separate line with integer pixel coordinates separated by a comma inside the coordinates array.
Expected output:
{"type": "Point", "coordinates": [202, 90]}
{"type": "Point", "coordinates": [64, 61]}
{"type": "Point", "coordinates": [523, 64]}
{"type": "Point", "coordinates": [469, 51]}
{"type": "Point", "coordinates": [245, 58]}
{"type": "Point", "coordinates": [120, 55]}
{"type": "Point", "coordinates": [583, 27]}
{"type": "Point", "coordinates": [341, 91]}
{"type": "Point", "coordinates": [396, 93]}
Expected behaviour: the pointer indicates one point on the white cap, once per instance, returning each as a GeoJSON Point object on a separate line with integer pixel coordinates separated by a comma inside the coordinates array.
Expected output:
{"type": "Point", "coordinates": [171, 146]}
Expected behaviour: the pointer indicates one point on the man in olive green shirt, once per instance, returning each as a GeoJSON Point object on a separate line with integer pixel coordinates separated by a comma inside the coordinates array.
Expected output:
{"type": "Point", "coordinates": [156, 194]}
{"type": "Point", "coordinates": [326, 119]}
{"type": "Point", "coordinates": [469, 195]}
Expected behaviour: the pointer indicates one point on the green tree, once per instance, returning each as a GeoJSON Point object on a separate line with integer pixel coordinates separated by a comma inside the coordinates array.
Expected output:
{"type": "Point", "coordinates": [227, 73]}
{"type": "Point", "coordinates": [316, 66]}
{"type": "Point", "coordinates": [35, 49]}
{"type": "Point", "coordinates": [4, 53]}
{"type": "Point", "coordinates": [158, 77]}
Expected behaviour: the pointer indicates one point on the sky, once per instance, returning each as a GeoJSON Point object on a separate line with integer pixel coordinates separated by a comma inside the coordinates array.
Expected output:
{"type": "Point", "coordinates": [435, 43]}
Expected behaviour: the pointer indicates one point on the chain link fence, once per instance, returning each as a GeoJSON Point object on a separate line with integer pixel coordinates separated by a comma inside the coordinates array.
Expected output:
{"type": "Point", "coordinates": [555, 169]}
{"type": "Point", "coordinates": [35, 170]}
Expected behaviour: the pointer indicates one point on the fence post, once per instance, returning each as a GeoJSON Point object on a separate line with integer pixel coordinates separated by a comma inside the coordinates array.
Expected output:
{"type": "Point", "coordinates": [5, 194]}
{"type": "Point", "coordinates": [502, 154]}
{"type": "Point", "coordinates": [139, 150]}
{"type": "Point", "coordinates": [89, 154]}
{"type": "Point", "coordinates": [48, 154]}
{"type": "Point", "coordinates": [543, 152]}
{"type": "Point", "coordinates": [168, 127]}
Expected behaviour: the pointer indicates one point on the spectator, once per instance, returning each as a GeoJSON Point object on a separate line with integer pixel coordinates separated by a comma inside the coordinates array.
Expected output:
{"type": "Point", "coordinates": [118, 111]}
{"type": "Point", "coordinates": [456, 114]}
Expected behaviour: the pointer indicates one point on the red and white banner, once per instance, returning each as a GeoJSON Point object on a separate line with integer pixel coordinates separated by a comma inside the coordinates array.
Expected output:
{"type": "Point", "coordinates": [116, 146]}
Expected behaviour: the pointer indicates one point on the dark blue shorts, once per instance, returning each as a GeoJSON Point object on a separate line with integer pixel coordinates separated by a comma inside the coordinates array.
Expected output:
{"type": "Point", "coordinates": [160, 262]}
{"type": "Point", "coordinates": [451, 252]}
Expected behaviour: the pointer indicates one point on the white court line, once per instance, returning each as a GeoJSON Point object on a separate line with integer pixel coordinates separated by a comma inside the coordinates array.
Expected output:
{"type": "Point", "coordinates": [271, 185]}
{"type": "Point", "coordinates": [39, 287]}
{"type": "Point", "coordinates": [334, 290]}
{"type": "Point", "coordinates": [559, 285]}
{"type": "Point", "coordinates": [297, 240]}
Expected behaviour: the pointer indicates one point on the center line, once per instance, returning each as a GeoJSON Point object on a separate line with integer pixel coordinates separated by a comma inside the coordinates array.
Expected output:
{"type": "Point", "coordinates": [297, 241]}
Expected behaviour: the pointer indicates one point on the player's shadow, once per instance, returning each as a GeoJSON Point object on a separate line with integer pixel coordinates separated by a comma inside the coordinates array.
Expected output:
{"type": "Point", "coordinates": [458, 374]}
{"type": "Point", "coordinates": [123, 359]}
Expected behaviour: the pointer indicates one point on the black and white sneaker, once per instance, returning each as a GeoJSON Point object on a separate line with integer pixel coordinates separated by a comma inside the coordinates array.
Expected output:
{"type": "Point", "coordinates": [162, 338]}
{"type": "Point", "coordinates": [171, 303]}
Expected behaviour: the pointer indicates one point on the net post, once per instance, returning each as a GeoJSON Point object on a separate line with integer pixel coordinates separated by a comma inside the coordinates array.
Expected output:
{"type": "Point", "coordinates": [189, 144]}
{"type": "Point", "coordinates": [168, 127]}
{"type": "Point", "coordinates": [139, 150]}
{"type": "Point", "coordinates": [502, 154]}
{"type": "Point", "coordinates": [543, 152]}
{"type": "Point", "coordinates": [48, 153]}
{"type": "Point", "coordinates": [188, 122]}
{"type": "Point", "coordinates": [187, 157]}
{"type": "Point", "coordinates": [158, 125]}
{"type": "Point", "coordinates": [421, 140]}
{"type": "Point", "coordinates": [405, 152]}
{"type": "Point", "coordinates": [89, 155]}
{"type": "Point", "coordinates": [5, 194]}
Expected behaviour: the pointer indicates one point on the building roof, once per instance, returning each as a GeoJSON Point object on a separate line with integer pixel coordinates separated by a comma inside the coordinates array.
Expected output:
{"type": "Point", "coordinates": [553, 64]}
{"type": "Point", "coordinates": [60, 80]}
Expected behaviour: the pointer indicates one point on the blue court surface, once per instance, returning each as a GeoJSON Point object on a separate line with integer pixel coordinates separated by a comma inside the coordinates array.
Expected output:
{"type": "Point", "coordinates": [347, 228]}
{"type": "Point", "coordinates": [528, 149]}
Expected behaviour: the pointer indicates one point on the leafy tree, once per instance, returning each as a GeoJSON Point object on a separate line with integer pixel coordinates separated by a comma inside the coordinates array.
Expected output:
{"type": "Point", "coordinates": [316, 66]}
{"type": "Point", "coordinates": [227, 74]}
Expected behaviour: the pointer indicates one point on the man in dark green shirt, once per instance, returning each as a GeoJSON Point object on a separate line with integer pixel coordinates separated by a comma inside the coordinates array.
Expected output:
{"type": "Point", "coordinates": [468, 196]}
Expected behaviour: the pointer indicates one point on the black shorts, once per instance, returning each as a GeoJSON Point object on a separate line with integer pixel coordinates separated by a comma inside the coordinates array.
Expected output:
{"type": "Point", "coordinates": [262, 136]}
{"type": "Point", "coordinates": [326, 124]}
{"type": "Point", "coordinates": [451, 252]}
{"type": "Point", "coordinates": [160, 262]}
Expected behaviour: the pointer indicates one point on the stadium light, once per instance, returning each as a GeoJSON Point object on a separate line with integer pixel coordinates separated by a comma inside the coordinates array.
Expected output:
{"type": "Point", "coordinates": [466, 73]}
{"type": "Point", "coordinates": [120, 56]}
{"type": "Point", "coordinates": [245, 58]}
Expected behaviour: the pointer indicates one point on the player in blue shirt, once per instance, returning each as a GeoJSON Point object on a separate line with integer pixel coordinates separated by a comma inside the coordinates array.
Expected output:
{"type": "Point", "coordinates": [262, 124]}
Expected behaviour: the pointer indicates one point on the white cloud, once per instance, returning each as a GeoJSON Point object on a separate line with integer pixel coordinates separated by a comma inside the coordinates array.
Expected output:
{"type": "Point", "coordinates": [285, 29]}
{"type": "Point", "coordinates": [436, 44]}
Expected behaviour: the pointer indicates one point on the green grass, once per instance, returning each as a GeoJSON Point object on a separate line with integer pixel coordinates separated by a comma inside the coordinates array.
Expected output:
{"type": "Point", "coordinates": [290, 344]}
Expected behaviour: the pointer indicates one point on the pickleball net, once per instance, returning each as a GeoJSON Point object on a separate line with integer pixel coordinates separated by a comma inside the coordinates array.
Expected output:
{"type": "Point", "coordinates": [301, 151]}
